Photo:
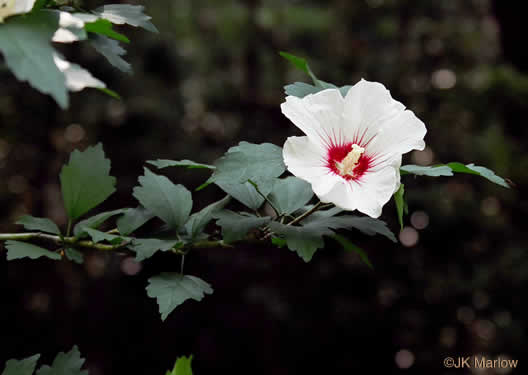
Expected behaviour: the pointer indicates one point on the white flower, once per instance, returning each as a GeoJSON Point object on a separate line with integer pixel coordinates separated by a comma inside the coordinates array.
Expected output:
{"type": "Point", "coordinates": [12, 7]}
{"type": "Point", "coordinates": [353, 147]}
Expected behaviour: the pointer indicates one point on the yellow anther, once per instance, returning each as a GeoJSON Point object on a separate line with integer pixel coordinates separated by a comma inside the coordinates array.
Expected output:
{"type": "Point", "coordinates": [349, 163]}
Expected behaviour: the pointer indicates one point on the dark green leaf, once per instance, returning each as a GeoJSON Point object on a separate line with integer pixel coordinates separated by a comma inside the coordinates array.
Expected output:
{"type": "Point", "coordinates": [249, 161]}
{"type": "Point", "coordinates": [39, 224]}
{"type": "Point", "coordinates": [74, 255]}
{"type": "Point", "coordinates": [349, 246]}
{"type": "Point", "coordinates": [95, 221]}
{"type": "Point", "coordinates": [400, 204]}
{"type": "Point", "coordinates": [198, 221]}
{"type": "Point", "coordinates": [433, 171]}
{"type": "Point", "coordinates": [246, 192]}
{"type": "Point", "coordinates": [121, 14]}
{"type": "Point", "coordinates": [480, 171]}
{"type": "Point", "coordinates": [147, 247]}
{"type": "Point", "coordinates": [98, 236]}
{"type": "Point", "coordinates": [290, 194]}
{"type": "Point", "coordinates": [86, 181]}
{"type": "Point", "coordinates": [19, 250]}
{"type": "Point", "coordinates": [172, 289]}
{"type": "Point", "coordinates": [303, 240]}
{"type": "Point", "coordinates": [182, 366]}
{"type": "Point", "coordinates": [25, 44]}
{"type": "Point", "coordinates": [21, 367]}
{"type": "Point", "coordinates": [65, 364]}
{"type": "Point", "coordinates": [235, 226]}
{"type": "Point", "coordinates": [172, 203]}
{"type": "Point", "coordinates": [133, 219]}
{"type": "Point", "coordinates": [299, 63]}
{"type": "Point", "coordinates": [111, 49]}
{"type": "Point", "coordinates": [104, 27]}
{"type": "Point", "coordinates": [279, 242]}
{"type": "Point", "coordinates": [164, 163]}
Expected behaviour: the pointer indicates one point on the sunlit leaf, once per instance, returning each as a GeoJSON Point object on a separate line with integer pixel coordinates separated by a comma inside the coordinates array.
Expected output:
{"type": "Point", "coordinates": [121, 14]}
{"type": "Point", "coordinates": [104, 27]}
{"type": "Point", "coordinates": [182, 366]}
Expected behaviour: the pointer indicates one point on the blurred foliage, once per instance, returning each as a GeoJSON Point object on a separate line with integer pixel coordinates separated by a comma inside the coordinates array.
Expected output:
{"type": "Point", "coordinates": [213, 77]}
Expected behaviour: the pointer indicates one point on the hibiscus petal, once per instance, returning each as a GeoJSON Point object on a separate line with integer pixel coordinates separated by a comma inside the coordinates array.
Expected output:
{"type": "Point", "coordinates": [368, 107]}
{"type": "Point", "coordinates": [318, 115]}
{"type": "Point", "coordinates": [368, 195]}
{"type": "Point", "coordinates": [304, 159]}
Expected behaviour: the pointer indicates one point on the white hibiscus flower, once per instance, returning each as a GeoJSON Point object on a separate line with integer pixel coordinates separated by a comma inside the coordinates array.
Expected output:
{"type": "Point", "coordinates": [352, 151]}
{"type": "Point", "coordinates": [12, 7]}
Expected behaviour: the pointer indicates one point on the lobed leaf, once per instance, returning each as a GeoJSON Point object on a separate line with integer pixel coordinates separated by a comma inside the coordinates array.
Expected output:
{"type": "Point", "coordinates": [235, 226]}
{"type": "Point", "coordinates": [147, 247]}
{"type": "Point", "coordinates": [164, 163]}
{"type": "Point", "coordinates": [19, 250]}
{"type": "Point", "coordinates": [110, 49]}
{"type": "Point", "coordinates": [171, 203]}
{"type": "Point", "coordinates": [24, 366]}
{"type": "Point", "coordinates": [172, 289]}
{"type": "Point", "coordinates": [133, 219]}
{"type": "Point", "coordinates": [199, 220]}
{"type": "Point", "coordinates": [86, 181]}
{"type": "Point", "coordinates": [121, 14]}
{"type": "Point", "coordinates": [290, 194]}
{"type": "Point", "coordinates": [65, 364]}
{"type": "Point", "coordinates": [25, 44]}
{"type": "Point", "coordinates": [246, 193]}
{"type": "Point", "coordinates": [41, 224]}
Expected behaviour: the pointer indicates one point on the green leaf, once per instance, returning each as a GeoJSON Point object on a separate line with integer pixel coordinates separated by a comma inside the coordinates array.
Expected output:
{"type": "Point", "coordinates": [182, 366]}
{"type": "Point", "coordinates": [172, 289]}
{"type": "Point", "coordinates": [121, 14]}
{"type": "Point", "coordinates": [304, 240]}
{"type": "Point", "coordinates": [367, 225]}
{"type": "Point", "coordinates": [249, 161]}
{"type": "Point", "coordinates": [110, 49]}
{"type": "Point", "coordinates": [349, 246]}
{"type": "Point", "coordinates": [85, 181]}
{"type": "Point", "coordinates": [21, 367]}
{"type": "Point", "coordinates": [110, 93]}
{"type": "Point", "coordinates": [104, 27]}
{"type": "Point", "coordinates": [95, 221]}
{"type": "Point", "coordinates": [480, 171]}
{"type": "Point", "coordinates": [300, 89]}
{"type": "Point", "coordinates": [198, 221]}
{"type": "Point", "coordinates": [19, 250]}
{"type": "Point", "coordinates": [25, 44]}
{"type": "Point", "coordinates": [98, 236]}
{"type": "Point", "coordinates": [400, 204]}
{"type": "Point", "coordinates": [147, 247]}
{"type": "Point", "coordinates": [172, 203]}
{"type": "Point", "coordinates": [246, 192]}
{"type": "Point", "coordinates": [433, 171]}
{"type": "Point", "coordinates": [290, 194]}
{"type": "Point", "coordinates": [449, 168]}
{"type": "Point", "coordinates": [299, 63]}
{"type": "Point", "coordinates": [235, 226]}
{"type": "Point", "coordinates": [133, 219]}
{"type": "Point", "coordinates": [74, 255]}
{"type": "Point", "coordinates": [189, 164]}
{"type": "Point", "coordinates": [65, 364]}
{"type": "Point", "coordinates": [41, 224]}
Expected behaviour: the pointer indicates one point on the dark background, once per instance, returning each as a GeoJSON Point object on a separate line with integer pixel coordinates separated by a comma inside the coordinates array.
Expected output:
{"type": "Point", "coordinates": [453, 286]}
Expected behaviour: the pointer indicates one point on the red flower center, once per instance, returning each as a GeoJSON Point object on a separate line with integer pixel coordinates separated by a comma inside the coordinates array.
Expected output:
{"type": "Point", "coordinates": [335, 157]}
